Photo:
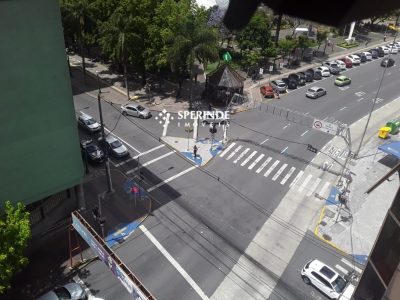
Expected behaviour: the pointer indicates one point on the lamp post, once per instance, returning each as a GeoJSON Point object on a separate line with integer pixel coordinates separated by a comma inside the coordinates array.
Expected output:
{"type": "Point", "coordinates": [69, 65]}
{"type": "Point", "coordinates": [103, 136]}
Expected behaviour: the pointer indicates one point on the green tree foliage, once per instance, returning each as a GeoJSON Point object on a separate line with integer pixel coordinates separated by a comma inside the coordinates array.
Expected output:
{"type": "Point", "coordinates": [286, 46]}
{"type": "Point", "coordinates": [303, 43]}
{"type": "Point", "coordinates": [250, 58]}
{"type": "Point", "coordinates": [321, 37]}
{"type": "Point", "coordinates": [14, 235]}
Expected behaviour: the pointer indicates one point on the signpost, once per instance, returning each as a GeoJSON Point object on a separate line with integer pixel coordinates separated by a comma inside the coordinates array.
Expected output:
{"type": "Point", "coordinates": [324, 126]}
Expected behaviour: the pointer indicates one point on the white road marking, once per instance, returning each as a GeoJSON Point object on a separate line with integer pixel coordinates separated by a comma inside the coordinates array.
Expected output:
{"type": "Point", "coordinates": [344, 107]}
{"type": "Point", "coordinates": [343, 88]}
{"type": "Point", "coordinates": [304, 133]}
{"type": "Point", "coordinates": [288, 175]}
{"type": "Point", "coordinates": [264, 141]}
{"type": "Point", "coordinates": [283, 151]}
{"type": "Point", "coordinates": [172, 260]}
{"type": "Point", "coordinates": [263, 165]}
{"type": "Point", "coordinates": [360, 99]}
{"type": "Point", "coordinates": [241, 155]}
{"type": "Point", "coordinates": [324, 188]}
{"type": "Point", "coordinates": [248, 158]}
{"type": "Point", "coordinates": [314, 186]}
{"type": "Point", "coordinates": [279, 172]}
{"type": "Point", "coordinates": [359, 94]}
{"type": "Point", "coordinates": [256, 161]}
{"type": "Point", "coordinates": [306, 113]}
{"type": "Point", "coordinates": [286, 126]}
{"type": "Point", "coordinates": [345, 261]}
{"type": "Point", "coordinates": [141, 154]}
{"type": "Point", "coordinates": [227, 150]}
{"type": "Point", "coordinates": [234, 152]}
{"type": "Point", "coordinates": [271, 168]}
{"type": "Point", "coordinates": [171, 178]}
{"type": "Point", "coordinates": [341, 269]}
{"type": "Point", "coordinates": [305, 182]}
{"type": "Point", "coordinates": [150, 162]}
{"type": "Point", "coordinates": [296, 178]}
{"type": "Point", "coordinates": [378, 100]}
{"type": "Point", "coordinates": [125, 142]}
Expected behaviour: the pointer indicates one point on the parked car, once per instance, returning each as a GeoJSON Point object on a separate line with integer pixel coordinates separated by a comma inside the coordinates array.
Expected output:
{"type": "Point", "coordinates": [315, 92]}
{"type": "Point", "coordinates": [333, 67]}
{"type": "Point", "coordinates": [393, 49]}
{"type": "Point", "coordinates": [368, 55]}
{"type": "Point", "coordinates": [354, 59]}
{"type": "Point", "coordinates": [88, 123]}
{"type": "Point", "coordinates": [71, 291]}
{"type": "Point", "coordinates": [362, 56]}
{"type": "Point", "coordinates": [347, 61]}
{"type": "Point", "coordinates": [327, 280]}
{"type": "Point", "coordinates": [380, 51]}
{"type": "Point", "coordinates": [136, 110]}
{"type": "Point", "coordinates": [309, 76]}
{"type": "Point", "coordinates": [317, 74]}
{"type": "Point", "coordinates": [341, 64]}
{"type": "Point", "coordinates": [374, 53]}
{"type": "Point", "coordinates": [91, 152]}
{"type": "Point", "coordinates": [342, 80]}
{"type": "Point", "coordinates": [310, 73]}
{"type": "Point", "coordinates": [290, 83]}
{"type": "Point", "coordinates": [267, 91]}
{"type": "Point", "coordinates": [302, 77]}
{"type": "Point", "coordinates": [387, 62]}
{"type": "Point", "coordinates": [395, 44]}
{"type": "Point", "coordinates": [324, 71]}
{"type": "Point", "coordinates": [385, 49]}
{"type": "Point", "coordinates": [114, 146]}
{"type": "Point", "coordinates": [278, 85]}
{"type": "Point", "coordinates": [300, 80]}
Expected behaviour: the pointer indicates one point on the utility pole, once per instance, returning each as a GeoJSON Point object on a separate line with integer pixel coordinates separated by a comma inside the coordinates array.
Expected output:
{"type": "Point", "coordinates": [103, 136]}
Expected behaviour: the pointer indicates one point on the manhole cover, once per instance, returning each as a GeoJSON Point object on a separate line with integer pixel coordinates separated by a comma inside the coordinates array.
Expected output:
{"type": "Point", "coordinates": [326, 237]}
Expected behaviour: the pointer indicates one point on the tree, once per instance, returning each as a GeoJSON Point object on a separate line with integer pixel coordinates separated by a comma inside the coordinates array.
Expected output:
{"type": "Point", "coordinates": [303, 43]}
{"type": "Point", "coordinates": [14, 235]}
{"type": "Point", "coordinates": [278, 23]}
{"type": "Point", "coordinates": [321, 37]}
{"type": "Point", "coordinates": [286, 46]}
{"type": "Point", "coordinates": [79, 15]}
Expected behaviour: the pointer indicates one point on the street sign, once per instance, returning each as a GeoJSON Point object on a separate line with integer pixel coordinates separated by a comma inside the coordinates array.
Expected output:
{"type": "Point", "coordinates": [324, 126]}
{"type": "Point", "coordinates": [227, 56]}
{"type": "Point", "coordinates": [271, 68]}
{"type": "Point", "coordinates": [261, 71]}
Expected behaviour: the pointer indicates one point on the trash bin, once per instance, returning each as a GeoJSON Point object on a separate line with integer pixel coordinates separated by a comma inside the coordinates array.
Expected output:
{"type": "Point", "coordinates": [384, 132]}
{"type": "Point", "coordinates": [394, 126]}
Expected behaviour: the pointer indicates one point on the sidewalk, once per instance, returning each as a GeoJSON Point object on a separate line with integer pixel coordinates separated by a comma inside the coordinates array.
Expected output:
{"type": "Point", "coordinates": [353, 229]}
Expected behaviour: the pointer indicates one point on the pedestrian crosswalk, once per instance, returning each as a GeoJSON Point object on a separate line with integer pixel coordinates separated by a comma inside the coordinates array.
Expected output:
{"type": "Point", "coordinates": [345, 267]}
{"type": "Point", "coordinates": [275, 170]}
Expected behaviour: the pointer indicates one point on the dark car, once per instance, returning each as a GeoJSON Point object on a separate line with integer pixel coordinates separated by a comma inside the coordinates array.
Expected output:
{"type": "Point", "coordinates": [316, 73]}
{"type": "Point", "coordinates": [374, 53]}
{"type": "Point", "coordinates": [299, 80]}
{"type": "Point", "coordinates": [302, 78]}
{"type": "Point", "coordinates": [380, 51]}
{"type": "Point", "coordinates": [309, 75]}
{"type": "Point", "coordinates": [387, 62]}
{"type": "Point", "coordinates": [362, 57]}
{"type": "Point", "coordinates": [91, 152]}
{"type": "Point", "coordinates": [291, 83]}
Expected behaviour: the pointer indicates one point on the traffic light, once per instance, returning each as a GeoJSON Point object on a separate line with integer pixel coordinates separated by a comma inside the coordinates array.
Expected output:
{"type": "Point", "coordinates": [311, 148]}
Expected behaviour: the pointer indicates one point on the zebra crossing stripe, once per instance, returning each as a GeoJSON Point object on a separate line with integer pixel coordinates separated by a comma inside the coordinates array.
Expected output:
{"type": "Point", "coordinates": [253, 164]}
{"type": "Point", "coordinates": [305, 182]}
{"type": "Point", "coordinates": [272, 168]}
{"type": "Point", "coordinates": [241, 155]}
{"type": "Point", "coordinates": [314, 186]}
{"type": "Point", "coordinates": [296, 178]}
{"type": "Point", "coordinates": [263, 165]}
{"type": "Point", "coordinates": [288, 175]}
{"type": "Point", "coordinates": [279, 172]}
{"type": "Point", "coordinates": [345, 261]}
{"type": "Point", "coordinates": [341, 269]}
{"type": "Point", "coordinates": [234, 152]}
{"type": "Point", "coordinates": [324, 188]}
{"type": "Point", "coordinates": [248, 158]}
{"type": "Point", "coordinates": [227, 150]}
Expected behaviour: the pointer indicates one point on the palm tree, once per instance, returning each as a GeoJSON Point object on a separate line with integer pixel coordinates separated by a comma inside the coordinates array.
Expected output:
{"type": "Point", "coordinates": [278, 28]}
{"type": "Point", "coordinates": [79, 13]}
{"type": "Point", "coordinates": [117, 38]}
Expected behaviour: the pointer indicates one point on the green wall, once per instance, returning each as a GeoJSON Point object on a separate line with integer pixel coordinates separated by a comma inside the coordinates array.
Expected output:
{"type": "Point", "coordinates": [39, 148]}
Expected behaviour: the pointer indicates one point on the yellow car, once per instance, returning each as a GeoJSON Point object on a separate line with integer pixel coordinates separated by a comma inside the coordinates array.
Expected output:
{"type": "Point", "coordinates": [342, 80]}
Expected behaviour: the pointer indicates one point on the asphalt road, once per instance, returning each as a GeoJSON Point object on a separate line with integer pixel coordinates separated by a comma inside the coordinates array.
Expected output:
{"type": "Point", "coordinates": [206, 224]}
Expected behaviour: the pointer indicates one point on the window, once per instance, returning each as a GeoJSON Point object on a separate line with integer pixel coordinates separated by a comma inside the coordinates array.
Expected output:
{"type": "Point", "coordinates": [327, 272]}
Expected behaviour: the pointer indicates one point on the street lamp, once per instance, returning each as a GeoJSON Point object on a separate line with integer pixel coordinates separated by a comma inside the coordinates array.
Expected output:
{"type": "Point", "coordinates": [103, 136]}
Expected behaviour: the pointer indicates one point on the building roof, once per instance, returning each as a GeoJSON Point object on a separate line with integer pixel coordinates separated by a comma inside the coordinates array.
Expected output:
{"type": "Point", "coordinates": [225, 77]}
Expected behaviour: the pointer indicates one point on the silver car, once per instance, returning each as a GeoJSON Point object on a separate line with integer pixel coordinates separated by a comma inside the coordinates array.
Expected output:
{"type": "Point", "coordinates": [278, 85]}
{"type": "Point", "coordinates": [136, 110]}
{"type": "Point", "coordinates": [315, 92]}
{"type": "Point", "coordinates": [114, 146]}
{"type": "Point", "coordinates": [72, 291]}
{"type": "Point", "coordinates": [87, 122]}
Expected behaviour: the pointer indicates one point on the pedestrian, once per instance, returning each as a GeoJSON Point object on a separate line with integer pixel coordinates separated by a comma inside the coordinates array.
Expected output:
{"type": "Point", "coordinates": [366, 43]}
{"type": "Point", "coordinates": [333, 45]}
{"type": "Point", "coordinates": [384, 38]}
{"type": "Point", "coordinates": [209, 107]}
{"type": "Point", "coordinates": [277, 94]}
{"type": "Point", "coordinates": [195, 151]}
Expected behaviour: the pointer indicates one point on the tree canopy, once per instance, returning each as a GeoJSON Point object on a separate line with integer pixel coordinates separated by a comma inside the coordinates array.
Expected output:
{"type": "Point", "coordinates": [14, 235]}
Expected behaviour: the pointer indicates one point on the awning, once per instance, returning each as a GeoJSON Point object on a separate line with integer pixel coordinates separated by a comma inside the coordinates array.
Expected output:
{"type": "Point", "coordinates": [391, 148]}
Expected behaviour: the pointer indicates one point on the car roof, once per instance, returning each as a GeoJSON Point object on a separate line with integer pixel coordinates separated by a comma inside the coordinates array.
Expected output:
{"type": "Point", "coordinates": [110, 139]}
{"type": "Point", "coordinates": [342, 77]}
{"type": "Point", "coordinates": [314, 88]}
{"type": "Point", "coordinates": [278, 81]}
{"type": "Point", "coordinates": [134, 105]}
{"type": "Point", "coordinates": [323, 270]}
{"type": "Point", "coordinates": [84, 116]}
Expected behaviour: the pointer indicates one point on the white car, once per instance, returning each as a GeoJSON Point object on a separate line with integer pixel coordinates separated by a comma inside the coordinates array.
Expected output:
{"type": "Point", "coordinates": [395, 44]}
{"type": "Point", "coordinates": [326, 280]}
{"type": "Point", "coordinates": [368, 55]}
{"type": "Point", "coordinates": [88, 122]}
{"type": "Point", "coordinates": [385, 49]}
{"type": "Point", "coordinates": [324, 71]}
{"type": "Point", "coordinates": [342, 65]}
{"type": "Point", "coordinates": [71, 291]}
{"type": "Point", "coordinates": [355, 59]}
{"type": "Point", "coordinates": [393, 49]}
{"type": "Point", "coordinates": [136, 110]}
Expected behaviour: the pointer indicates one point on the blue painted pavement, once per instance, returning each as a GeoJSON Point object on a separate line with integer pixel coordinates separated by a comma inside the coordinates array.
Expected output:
{"type": "Point", "coordinates": [121, 232]}
{"type": "Point", "coordinates": [331, 200]}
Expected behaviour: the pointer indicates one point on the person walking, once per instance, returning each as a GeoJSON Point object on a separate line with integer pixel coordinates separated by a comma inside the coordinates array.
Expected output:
{"type": "Point", "coordinates": [277, 94]}
{"type": "Point", "coordinates": [384, 38]}
{"type": "Point", "coordinates": [366, 43]}
{"type": "Point", "coordinates": [195, 151]}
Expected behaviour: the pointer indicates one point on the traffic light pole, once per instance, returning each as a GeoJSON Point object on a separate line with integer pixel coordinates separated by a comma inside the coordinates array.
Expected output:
{"type": "Point", "coordinates": [103, 136]}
